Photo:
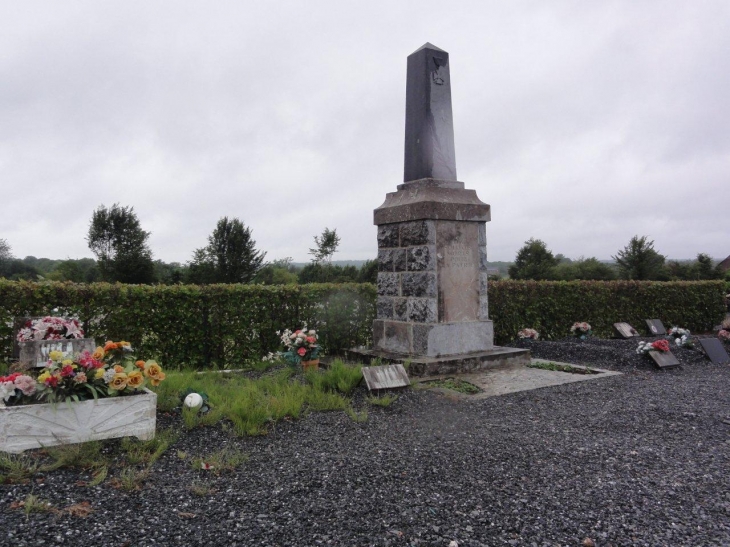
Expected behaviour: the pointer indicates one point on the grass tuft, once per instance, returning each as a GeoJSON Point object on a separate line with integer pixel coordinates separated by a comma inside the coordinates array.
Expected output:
{"type": "Point", "coordinates": [16, 467]}
{"type": "Point", "coordinates": [382, 400]}
{"type": "Point", "coordinates": [80, 456]}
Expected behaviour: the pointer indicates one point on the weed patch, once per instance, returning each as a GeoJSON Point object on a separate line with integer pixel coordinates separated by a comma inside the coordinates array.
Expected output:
{"type": "Point", "coordinates": [454, 384]}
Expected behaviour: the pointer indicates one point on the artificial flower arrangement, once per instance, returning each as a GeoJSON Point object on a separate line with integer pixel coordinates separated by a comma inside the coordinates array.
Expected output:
{"type": "Point", "coordinates": [109, 371]}
{"type": "Point", "coordinates": [724, 335]}
{"type": "Point", "coordinates": [301, 345]}
{"type": "Point", "coordinates": [681, 337]}
{"type": "Point", "coordinates": [658, 345]}
{"type": "Point", "coordinates": [531, 334]}
{"type": "Point", "coordinates": [50, 328]}
{"type": "Point", "coordinates": [581, 329]}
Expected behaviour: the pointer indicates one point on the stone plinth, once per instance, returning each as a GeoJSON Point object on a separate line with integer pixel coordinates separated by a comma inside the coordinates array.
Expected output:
{"type": "Point", "coordinates": [432, 271]}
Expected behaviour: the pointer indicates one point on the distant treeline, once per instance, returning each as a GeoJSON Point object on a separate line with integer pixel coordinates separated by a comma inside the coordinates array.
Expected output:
{"type": "Point", "coordinates": [278, 272]}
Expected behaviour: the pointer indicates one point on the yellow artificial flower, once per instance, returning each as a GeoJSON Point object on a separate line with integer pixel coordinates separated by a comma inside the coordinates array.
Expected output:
{"type": "Point", "coordinates": [119, 382]}
{"type": "Point", "coordinates": [156, 381]}
{"type": "Point", "coordinates": [55, 355]}
{"type": "Point", "coordinates": [153, 370]}
{"type": "Point", "coordinates": [135, 379]}
{"type": "Point", "coordinates": [98, 353]}
{"type": "Point", "coordinates": [67, 362]}
{"type": "Point", "coordinates": [124, 344]}
{"type": "Point", "coordinates": [43, 377]}
{"type": "Point", "coordinates": [99, 373]}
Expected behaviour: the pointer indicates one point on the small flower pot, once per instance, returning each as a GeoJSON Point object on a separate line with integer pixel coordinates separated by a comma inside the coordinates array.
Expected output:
{"type": "Point", "coordinates": [312, 364]}
{"type": "Point", "coordinates": [50, 424]}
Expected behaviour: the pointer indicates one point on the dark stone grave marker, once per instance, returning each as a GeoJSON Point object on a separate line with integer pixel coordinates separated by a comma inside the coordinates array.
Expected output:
{"type": "Point", "coordinates": [664, 359]}
{"type": "Point", "coordinates": [715, 351]}
{"type": "Point", "coordinates": [656, 327]}
{"type": "Point", "coordinates": [624, 330]}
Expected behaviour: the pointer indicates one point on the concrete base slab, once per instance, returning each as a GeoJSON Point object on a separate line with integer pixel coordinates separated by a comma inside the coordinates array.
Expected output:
{"type": "Point", "coordinates": [513, 378]}
{"type": "Point", "coordinates": [451, 364]}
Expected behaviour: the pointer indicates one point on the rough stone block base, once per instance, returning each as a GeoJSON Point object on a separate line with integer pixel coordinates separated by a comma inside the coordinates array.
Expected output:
{"type": "Point", "coordinates": [452, 364]}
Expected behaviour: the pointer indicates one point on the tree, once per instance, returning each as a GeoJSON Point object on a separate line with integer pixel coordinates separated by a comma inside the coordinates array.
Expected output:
{"type": "Point", "coordinates": [584, 268]}
{"type": "Point", "coordinates": [6, 256]}
{"type": "Point", "coordinates": [278, 272]}
{"type": "Point", "coordinates": [120, 245]}
{"type": "Point", "coordinates": [534, 261]}
{"type": "Point", "coordinates": [229, 257]}
{"type": "Point", "coordinates": [326, 246]}
{"type": "Point", "coordinates": [704, 268]}
{"type": "Point", "coordinates": [639, 261]}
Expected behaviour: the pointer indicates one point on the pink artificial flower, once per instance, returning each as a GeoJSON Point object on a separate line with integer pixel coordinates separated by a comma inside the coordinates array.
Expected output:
{"type": "Point", "coordinates": [301, 352]}
{"type": "Point", "coordinates": [26, 384]}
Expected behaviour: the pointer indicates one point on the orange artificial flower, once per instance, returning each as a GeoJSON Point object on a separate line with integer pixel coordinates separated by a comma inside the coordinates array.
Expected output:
{"type": "Point", "coordinates": [118, 368]}
{"type": "Point", "coordinates": [98, 353]}
{"type": "Point", "coordinates": [153, 370]}
{"type": "Point", "coordinates": [139, 365]}
{"type": "Point", "coordinates": [110, 346]}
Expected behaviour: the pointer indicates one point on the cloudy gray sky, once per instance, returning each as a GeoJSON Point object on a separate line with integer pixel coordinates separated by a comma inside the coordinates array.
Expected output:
{"type": "Point", "coordinates": [581, 123]}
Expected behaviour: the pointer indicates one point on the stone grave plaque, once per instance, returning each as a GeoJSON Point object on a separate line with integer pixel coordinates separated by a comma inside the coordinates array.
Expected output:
{"type": "Point", "coordinates": [656, 327]}
{"type": "Point", "coordinates": [385, 377]}
{"type": "Point", "coordinates": [35, 353]}
{"type": "Point", "coordinates": [715, 351]}
{"type": "Point", "coordinates": [624, 330]}
{"type": "Point", "coordinates": [664, 359]}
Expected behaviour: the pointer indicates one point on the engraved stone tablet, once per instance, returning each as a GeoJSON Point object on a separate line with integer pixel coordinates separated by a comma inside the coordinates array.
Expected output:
{"type": "Point", "coordinates": [655, 327]}
{"type": "Point", "coordinates": [715, 351]}
{"type": "Point", "coordinates": [664, 359]}
{"type": "Point", "coordinates": [624, 330]}
{"type": "Point", "coordinates": [385, 377]}
{"type": "Point", "coordinates": [457, 252]}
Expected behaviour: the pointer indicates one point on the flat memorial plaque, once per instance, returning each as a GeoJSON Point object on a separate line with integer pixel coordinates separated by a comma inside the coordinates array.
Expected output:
{"type": "Point", "coordinates": [664, 359]}
{"type": "Point", "coordinates": [656, 327]}
{"type": "Point", "coordinates": [624, 330]}
{"type": "Point", "coordinates": [385, 377]}
{"type": "Point", "coordinates": [715, 351]}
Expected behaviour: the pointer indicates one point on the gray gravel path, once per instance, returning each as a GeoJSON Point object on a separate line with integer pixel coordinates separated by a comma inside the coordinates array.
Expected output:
{"type": "Point", "coordinates": [636, 459]}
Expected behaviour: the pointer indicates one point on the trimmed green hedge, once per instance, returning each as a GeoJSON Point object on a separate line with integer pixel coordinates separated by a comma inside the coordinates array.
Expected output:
{"type": "Point", "coordinates": [198, 326]}
{"type": "Point", "coordinates": [551, 307]}
{"type": "Point", "coordinates": [223, 325]}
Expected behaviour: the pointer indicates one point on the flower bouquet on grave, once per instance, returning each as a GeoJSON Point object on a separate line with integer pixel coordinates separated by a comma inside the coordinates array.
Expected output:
{"type": "Point", "coordinates": [658, 345]}
{"type": "Point", "coordinates": [681, 337]}
{"type": "Point", "coordinates": [581, 330]}
{"type": "Point", "coordinates": [50, 328]}
{"type": "Point", "coordinates": [301, 348]}
{"type": "Point", "coordinates": [107, 372]}
{"type": "Point", "coordinates": [530, 334]}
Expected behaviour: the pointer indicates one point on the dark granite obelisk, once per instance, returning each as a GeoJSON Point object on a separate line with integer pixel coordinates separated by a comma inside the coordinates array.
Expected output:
{"type": "Point", "coordinates": [429, 150]}
{"type": "Point", "coordinates": [432, 304]}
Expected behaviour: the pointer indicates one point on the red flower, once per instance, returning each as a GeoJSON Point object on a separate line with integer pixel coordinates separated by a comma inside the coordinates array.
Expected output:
{"type": "Point", "coordinates": [67, 371]}
{"type": "Point", "coordinates": [301, 352]}
{"type": "Point", "coordinates": [311, 339]}
{"type": "Point", "coordinates": [661, 345]}
{"type": "Point", "coordinates": [51, 381]}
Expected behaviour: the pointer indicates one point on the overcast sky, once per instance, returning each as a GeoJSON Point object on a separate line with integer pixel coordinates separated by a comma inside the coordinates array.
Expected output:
{"type": "Point", "coordinates": [580, 123]}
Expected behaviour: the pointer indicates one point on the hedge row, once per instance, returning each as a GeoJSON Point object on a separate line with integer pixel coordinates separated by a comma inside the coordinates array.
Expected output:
{"type": "Point", "coordinates": [224, 325]}
{"type": "Point", "coordinates": [198, 326]}
{"type": "Point", "coordinates": [551, 307]}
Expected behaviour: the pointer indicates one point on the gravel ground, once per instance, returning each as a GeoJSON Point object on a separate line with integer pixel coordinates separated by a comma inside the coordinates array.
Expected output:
{"type": "Point", "coordinates": [636, 459]}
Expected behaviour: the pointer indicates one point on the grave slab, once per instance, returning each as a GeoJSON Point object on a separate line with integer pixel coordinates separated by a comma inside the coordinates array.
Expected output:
{"type": "Point", "coordinates": [664, 359]}
{"type": "Point", "coordinates": [715, 351]}
{"type": "Point", "coordinates": [624, 330]}
{"type": "Point", "coordinates": [655, 327]}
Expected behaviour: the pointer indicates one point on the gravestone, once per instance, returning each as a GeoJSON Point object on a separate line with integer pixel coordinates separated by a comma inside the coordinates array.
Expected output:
{"type": "Point", "coordinates": [664, 359]}
{"type": "Point", "coordinates": [655, 327]}
{"type": "Point", "coordinates": [624, 330]}
{"type": "Point", "coordinates": [432, 303]}
{"type": "Point", "coordinates": [385, 377]}
{"type": "Point", "coordinates": [715, 351]}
